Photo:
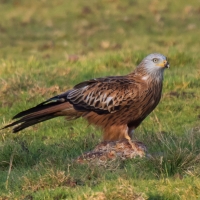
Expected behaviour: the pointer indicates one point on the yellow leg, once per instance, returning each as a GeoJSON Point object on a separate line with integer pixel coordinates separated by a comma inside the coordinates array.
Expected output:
{"type": "Point", "coordinates": [129, 141]}
{"type": "Point", "coordinates": [117, 133]}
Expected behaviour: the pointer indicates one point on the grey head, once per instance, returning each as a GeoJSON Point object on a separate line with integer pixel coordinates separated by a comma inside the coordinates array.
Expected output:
{"type": "Point", "coordinates": [154, 64]}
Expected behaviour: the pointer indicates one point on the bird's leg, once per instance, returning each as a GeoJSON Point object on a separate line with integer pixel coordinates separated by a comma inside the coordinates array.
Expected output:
{"type": "Point", "coordinates": [130, 134]}
{"type": "Point", "coordinates": [118, 133]}
{"type": "Point", "coordinates": [127, 136]}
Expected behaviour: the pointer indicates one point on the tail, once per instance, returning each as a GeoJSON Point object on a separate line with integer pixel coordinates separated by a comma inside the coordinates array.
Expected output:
{"type": "Point", "coordinates": [43, 112]}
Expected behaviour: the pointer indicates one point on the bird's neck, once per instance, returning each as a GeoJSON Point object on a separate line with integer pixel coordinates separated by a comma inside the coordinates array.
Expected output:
{"type": "Point", "coordinates": [150, 74]}
{"type": "Point", "coordinates": [152, 78]}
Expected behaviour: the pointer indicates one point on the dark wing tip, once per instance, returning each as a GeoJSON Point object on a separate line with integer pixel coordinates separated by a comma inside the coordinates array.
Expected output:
{"type": "Point", "coordinates": [18, 115]}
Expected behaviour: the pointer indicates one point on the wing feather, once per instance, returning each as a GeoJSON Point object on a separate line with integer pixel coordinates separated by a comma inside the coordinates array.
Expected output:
{"type": "Point", "coordinates": [103, 95]}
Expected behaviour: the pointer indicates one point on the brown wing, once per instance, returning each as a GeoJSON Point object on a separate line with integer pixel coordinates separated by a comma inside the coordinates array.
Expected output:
{"type": "Point", "coordinates": [103, 95]}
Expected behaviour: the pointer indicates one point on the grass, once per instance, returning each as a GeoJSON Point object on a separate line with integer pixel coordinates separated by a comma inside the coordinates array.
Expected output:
{"type": "Point", "coordinates": [48, 46]}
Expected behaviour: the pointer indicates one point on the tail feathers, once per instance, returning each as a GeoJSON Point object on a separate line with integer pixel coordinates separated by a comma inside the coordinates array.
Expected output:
{"type": "Point", "coordinates": [28, 123]}
{"type": "Point", "coordinates": [39, 111]}
{"type": "Point", "coordinates": [42, 113]}
{"type": "Point", "coordinates": [39, 107]}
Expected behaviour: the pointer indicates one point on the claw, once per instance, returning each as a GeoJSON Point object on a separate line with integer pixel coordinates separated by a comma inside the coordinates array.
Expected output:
{"type": "Point", "coordinates": [133, 146]}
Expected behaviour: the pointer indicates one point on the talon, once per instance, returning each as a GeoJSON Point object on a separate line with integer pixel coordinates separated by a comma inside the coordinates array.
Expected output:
{"type": "Point", "coordinates": [133, 146]}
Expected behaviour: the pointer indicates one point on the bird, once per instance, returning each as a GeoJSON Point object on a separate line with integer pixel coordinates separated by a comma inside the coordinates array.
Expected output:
{"type": "Point", "coordinates": [116, 104]}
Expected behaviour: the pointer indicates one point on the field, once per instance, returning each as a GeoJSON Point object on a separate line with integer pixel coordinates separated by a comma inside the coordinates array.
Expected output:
{"type": "Point", "coordinates": [48, 46]}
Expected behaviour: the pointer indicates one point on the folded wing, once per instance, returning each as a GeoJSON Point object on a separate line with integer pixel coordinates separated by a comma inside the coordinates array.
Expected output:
{"type": "Point", "coordinates": [103, 95]}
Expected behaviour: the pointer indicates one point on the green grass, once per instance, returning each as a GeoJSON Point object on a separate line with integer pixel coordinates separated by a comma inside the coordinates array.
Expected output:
{"type": "Point", "coordinates": [48, 46]}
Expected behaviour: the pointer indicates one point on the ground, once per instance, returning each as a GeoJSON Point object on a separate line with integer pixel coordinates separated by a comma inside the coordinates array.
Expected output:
{"type": "Point", "coordinates": [48, 46]}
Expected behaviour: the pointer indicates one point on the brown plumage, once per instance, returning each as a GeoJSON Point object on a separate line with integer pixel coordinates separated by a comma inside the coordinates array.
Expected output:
{"type": "Point", "coordinates": [118, 104]}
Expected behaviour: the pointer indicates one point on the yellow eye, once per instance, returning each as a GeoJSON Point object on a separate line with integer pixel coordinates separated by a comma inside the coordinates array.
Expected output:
{"type": "Point", "coordinates": [155, 60]}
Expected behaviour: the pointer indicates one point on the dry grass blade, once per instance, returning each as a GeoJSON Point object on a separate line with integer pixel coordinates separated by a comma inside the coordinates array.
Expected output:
{"type": "Point", "coordinates": [10, 168]}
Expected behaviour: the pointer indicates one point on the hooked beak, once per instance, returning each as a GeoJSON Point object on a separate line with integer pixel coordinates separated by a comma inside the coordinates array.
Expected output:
{"type": "Point", "coordinates": [164, 64]}
{"type": "Point", "coordinates": [167, 65]}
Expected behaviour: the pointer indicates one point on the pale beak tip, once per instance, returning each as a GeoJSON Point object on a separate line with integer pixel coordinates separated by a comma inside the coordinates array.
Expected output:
{"type": "Point", "coordinates": [167, 65]}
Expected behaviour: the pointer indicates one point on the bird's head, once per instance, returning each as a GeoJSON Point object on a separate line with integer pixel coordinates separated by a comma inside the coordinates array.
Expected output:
{"type": "Point", "coordinates": [155, 62]}
{"type": "Point", "coordinates": [152, 66]}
